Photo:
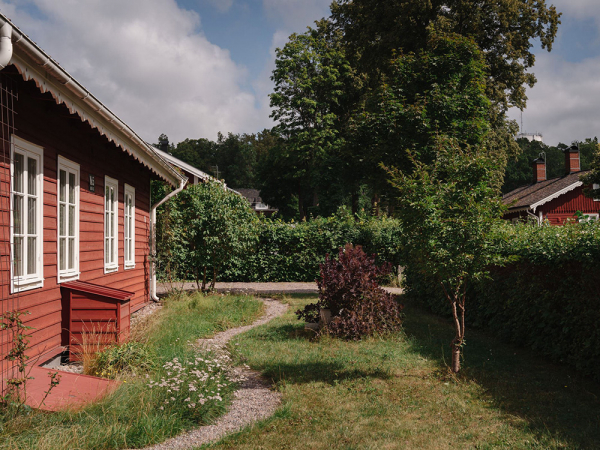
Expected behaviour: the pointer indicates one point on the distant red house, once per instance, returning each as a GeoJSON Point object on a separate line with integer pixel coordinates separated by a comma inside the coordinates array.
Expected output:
{"type": "Point", "coordinates": [75, 206]}
{"type": "Point", "coordinates": [553, 201]}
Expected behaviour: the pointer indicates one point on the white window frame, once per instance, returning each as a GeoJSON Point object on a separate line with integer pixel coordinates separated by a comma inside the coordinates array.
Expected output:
{"type": "Point", "coordinates": [111, 266]}
{"type": "Point", "coordinates": [36, 279]}
{"type": "Point", "coordinates": [129, 226]}
{"type": "Point", "coordinates": [589, 217]}
{"type": "Point", "coordinates": [69, 167]}
{"type": "Point", "coordinates": [596, 186]}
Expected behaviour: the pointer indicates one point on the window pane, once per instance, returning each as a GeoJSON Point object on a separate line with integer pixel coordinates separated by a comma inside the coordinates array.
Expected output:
{"type": "Point", "coordinates": [63, 186]}
{"type": "Point", "coordinates": [31, 176]}
{"type": "Point", "coordinates": [112, 225]}
{"type": "Point", "coordinates": [31, 215]}
{"type": "Point", "coordinates": [18, 173]}
{"type": "Point", "coordinates": [71, 220]}
{"type": "Point", "coordinates": [18, 256]}
{"type": "Point", "coordinates": [62, 253]}
{"type": "Point", "coordinates": [71, 188]}
{"type": "Point", "coordinates": [31, 255]}
{"type": "Point", "coordinates": [71, 253]}
{"type": "Point", "coordinates": [18, 213]}
{"type": "Point", "coordinates": [106, 197]}
{"type": "Point", "coordinates": [106, 250]}
{"type": "Point", "coordinates": [62, 220]}
{"type": "Point", "coordinates": [112, 250]}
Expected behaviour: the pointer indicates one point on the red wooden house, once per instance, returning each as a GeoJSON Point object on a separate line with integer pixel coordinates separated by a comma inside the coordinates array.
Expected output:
{"type": "Point", "coordinates": [552, 201]}
{"type": "Point", "coordinates": [75, 206]}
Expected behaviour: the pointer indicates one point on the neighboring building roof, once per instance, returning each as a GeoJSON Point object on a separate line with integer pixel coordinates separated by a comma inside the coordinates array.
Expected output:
{"type": "Point", "coordinates": [183, 165]}
{"type": "Point", "coordinates": [534, 195]}
{"type": "Point", "coordinates": [253, 196]}
{"type": "Point", "coordinates": [34, 64]}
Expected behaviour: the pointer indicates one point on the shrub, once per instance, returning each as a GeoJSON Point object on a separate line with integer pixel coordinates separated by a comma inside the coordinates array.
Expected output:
{"type": "Point", "coordinates": [546, 301]}
{"type": "Point", "coordinates": [127, 357]}
{"type": "Point", "coordinates": [349, 288]}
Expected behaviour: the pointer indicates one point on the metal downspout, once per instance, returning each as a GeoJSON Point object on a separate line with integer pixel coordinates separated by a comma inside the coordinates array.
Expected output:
{"type": "Point", "coordinates": [152, 286]}
{"type": "Point", "coordinates": [6, 47]}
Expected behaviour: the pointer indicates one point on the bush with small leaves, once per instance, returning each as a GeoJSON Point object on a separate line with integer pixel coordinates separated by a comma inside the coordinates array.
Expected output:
{"type": "Point", "coordinates": [349, 288]}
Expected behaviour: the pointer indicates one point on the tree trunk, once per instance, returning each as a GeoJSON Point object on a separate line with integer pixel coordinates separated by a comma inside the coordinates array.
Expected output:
{"type": "Point", "coordinates": [455, 357]}
{"type": "Point", "coordinates": [354, 203]}
{"type": "Point", "coordinates": [214, 280]}
{"type": "Point", "coordinates": [204, 279]}
{"type": "Point", "coordinates": [375, 205]}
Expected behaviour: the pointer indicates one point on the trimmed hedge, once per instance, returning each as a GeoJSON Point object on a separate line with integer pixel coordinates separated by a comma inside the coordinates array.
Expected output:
{"type": "Point", "coordinates": [547, 300]}
{"type": "Point", "coordinates": [293, 251]}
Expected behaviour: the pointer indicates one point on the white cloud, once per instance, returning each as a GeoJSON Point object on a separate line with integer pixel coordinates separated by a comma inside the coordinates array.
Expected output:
{"type": "Point", "coordinates": [296, 15]}
{"type": "Point", "coordinates": [221, 5]}
{"type": "Point", "coordinates": [148, 62]}
{"type": "Point", "coordinates": [563, 105]}
{"type": "Point", "coordinates": [578, 9]}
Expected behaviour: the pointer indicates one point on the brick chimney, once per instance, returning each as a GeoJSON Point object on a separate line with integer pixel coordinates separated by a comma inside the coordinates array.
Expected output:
{"type": "Point", "coordinates": [572, 163]}
{"type": "Point", "coordinates": [539, 169]}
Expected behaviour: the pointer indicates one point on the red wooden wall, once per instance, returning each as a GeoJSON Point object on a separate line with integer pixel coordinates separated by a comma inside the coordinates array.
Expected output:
{"type": "Point", "coordinates": [41, 121]}
{"type": "Point", "coordinates": [560, 209]}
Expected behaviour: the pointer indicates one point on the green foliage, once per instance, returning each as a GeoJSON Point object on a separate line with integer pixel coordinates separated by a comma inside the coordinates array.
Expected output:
{"type": "Point", "coordinates": [503, 29]}
{"type": "Point", "coordinates": [314, 84]}
{"type": "Point", "coordinates": [292, 251]}
{"type": "Point", "coordinates": [131, 357]}
{"type": "Point", "coordinates": [437, 91]}
{"type": "Point", "coordinates": [593, 177]}
{"type": "Point", "coordinates": [201, 229]}
{"type": "Point", "coordinates": [545, 300]}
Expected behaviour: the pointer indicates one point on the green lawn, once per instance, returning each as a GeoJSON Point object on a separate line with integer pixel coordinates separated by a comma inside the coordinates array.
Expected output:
{"type": "Point", "coordinates": [137, 415]}
{"type": "Point", "coordinates": [396, 392]}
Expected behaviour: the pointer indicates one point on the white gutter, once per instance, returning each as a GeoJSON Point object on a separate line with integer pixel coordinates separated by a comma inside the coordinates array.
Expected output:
{"type": "Point", "coordinates": [152, 280]}
{"type": "Point", "coordinates": [6, 47]}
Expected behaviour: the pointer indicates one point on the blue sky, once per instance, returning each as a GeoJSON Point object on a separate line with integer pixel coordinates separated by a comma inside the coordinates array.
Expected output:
{"type": "Point", "coordinates": [192, 68]}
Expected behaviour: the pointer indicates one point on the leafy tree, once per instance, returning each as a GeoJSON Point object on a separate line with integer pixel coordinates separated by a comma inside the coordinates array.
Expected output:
{"type": "Point", "coordinates": [438, 91]}
{"type": "Point", "coordinates": [217, 225]}
{"type": "Point", "coordinates": [592, 178]}
{"type": "Point", "coordinates": [313, 86]}
{"type": "Point", "coordinates": [448, 209]}
{"type": "Point", "coordinates": [200, 153]}
{"type": "Point", "coordinates": [503, 29]}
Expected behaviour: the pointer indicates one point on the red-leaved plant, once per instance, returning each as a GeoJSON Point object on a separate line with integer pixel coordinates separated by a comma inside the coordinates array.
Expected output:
{"type": "Point", "coordinates": [349, 288]}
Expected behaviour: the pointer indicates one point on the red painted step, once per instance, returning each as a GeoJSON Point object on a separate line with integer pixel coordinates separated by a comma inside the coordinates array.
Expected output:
{"type": "Point", "coordinates": [74, 390]}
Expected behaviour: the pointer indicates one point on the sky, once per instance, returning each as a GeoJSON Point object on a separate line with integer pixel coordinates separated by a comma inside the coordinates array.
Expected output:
{"type": "Point", "coordinates": [193, 68]}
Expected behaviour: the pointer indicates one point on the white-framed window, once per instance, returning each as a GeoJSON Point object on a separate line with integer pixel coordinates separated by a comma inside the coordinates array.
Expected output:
{"type": "Point", "coordinates": [129, 234]}
{"type": "Point", "coordinates": [68, 220]}
{"type": "Point", "coordinates": [111, 219]}
{"type": "Point", "coordinates": [596, 186]}
{"type": "Point", "coordinates": [593, 217]}
{"type": "Point", "coordinates": [26, 203]}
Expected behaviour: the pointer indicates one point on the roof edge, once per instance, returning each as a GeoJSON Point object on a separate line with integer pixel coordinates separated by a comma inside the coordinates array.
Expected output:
{"type": "Point", "coordinates": [35, 64]}
{"type": "Point", "coordinates": [556, 195]}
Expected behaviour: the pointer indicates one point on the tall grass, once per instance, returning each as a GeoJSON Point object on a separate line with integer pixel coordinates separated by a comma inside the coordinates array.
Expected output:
{"type": "Point", "coordinates": [132, 416]}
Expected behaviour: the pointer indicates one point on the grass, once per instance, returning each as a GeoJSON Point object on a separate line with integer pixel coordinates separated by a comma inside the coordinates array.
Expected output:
{"type": "Point", "coordinates": [396, 392]}
{"type": "Point", "coordinates": [132, 415]}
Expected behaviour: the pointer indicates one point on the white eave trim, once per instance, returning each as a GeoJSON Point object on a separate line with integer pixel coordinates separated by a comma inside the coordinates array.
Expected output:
{"type": "Point", "coordinates": [556, 195]}
{"type": "Point", "coordinates": [34, 64]}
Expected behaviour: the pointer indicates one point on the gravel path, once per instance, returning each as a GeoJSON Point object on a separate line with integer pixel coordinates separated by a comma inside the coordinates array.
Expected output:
{"type": "Point", "coordinates": [256, 288]}
{"type": "Point", "coordinates": [253, 401]}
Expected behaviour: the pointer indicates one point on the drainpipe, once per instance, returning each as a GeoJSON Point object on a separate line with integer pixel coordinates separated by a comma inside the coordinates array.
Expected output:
{"type": "Point", "coordinates": [537, 219]}
{"type": "Point", "coordinates": [153, 295]}
{"type": "Point", "coordinates": [6, 47]}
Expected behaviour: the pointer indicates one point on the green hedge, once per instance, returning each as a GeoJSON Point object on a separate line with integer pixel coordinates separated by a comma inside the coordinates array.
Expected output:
{"type": "Point", "coordinates": [547, 300]}
{"type": "Point", "coordinates": [293, 251]}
